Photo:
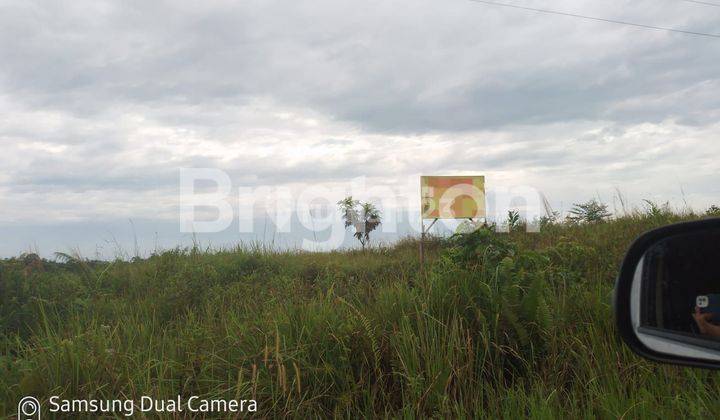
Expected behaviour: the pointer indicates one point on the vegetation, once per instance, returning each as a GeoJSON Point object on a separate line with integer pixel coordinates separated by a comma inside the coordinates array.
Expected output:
{"type": "Point", "coordinates": [363, 217]}
{"type": "Point", "coordinates": [658, 210]}
{"type": "Point", "coordinates": [500, 326]}
{"type": "Point", "coordinates": [513, 220]}
{"type": "Point", "coordinates": [590, 212]}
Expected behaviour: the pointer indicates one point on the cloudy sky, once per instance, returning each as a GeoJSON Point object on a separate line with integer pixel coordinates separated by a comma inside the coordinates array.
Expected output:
{"type": "Point", "coordinates": [102, 103]}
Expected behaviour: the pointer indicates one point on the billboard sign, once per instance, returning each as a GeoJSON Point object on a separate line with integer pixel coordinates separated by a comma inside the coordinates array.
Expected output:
{"type": "Point", "coordinates": [452, 197]}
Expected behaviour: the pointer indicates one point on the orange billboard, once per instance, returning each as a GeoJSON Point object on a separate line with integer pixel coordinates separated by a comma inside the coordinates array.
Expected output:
{"type": "Point", "coordinates": [452, 197]}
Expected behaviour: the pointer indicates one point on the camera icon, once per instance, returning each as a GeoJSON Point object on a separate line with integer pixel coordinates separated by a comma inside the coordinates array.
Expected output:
{"type": "Point", "coordinates": [29, 409]}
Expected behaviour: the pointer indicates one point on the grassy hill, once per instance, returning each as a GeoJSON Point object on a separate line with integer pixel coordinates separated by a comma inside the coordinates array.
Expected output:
{"type": "Point", "coordinates": [499, 325]}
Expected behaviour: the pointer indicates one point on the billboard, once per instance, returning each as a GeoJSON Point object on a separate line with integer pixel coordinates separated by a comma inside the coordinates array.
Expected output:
{"type": "Point", "coordinates": [452, 197]}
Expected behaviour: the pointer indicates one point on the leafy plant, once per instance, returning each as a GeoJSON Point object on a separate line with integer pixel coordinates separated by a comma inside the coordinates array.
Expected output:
{"type": "Point", "coordinates": [549, 219]}
{"type": "Point", "coordinates": [479, 245]}
{"type": "Point", "coordinates": [513, 220]}
{"type": "Point", "coordinates": [590, 212]}
{"type": "Point", "coordinates": [657, 210]}
{"type": "Point", "coordinates": [551, 216]}
{"type": "Point", "coordinates": [363, 217]}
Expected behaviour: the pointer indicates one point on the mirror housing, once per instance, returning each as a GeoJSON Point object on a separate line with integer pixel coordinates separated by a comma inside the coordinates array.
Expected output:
{"type": "Point", "coordinates": [667, 295]}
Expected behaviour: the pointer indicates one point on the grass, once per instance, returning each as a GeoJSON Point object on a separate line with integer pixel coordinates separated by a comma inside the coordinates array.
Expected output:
{"type": "Point", "coordinates": [501, 326]}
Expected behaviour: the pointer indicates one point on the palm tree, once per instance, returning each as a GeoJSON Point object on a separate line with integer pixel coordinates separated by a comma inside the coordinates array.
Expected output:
{"type": "Point", "coordinates": [363, 217]}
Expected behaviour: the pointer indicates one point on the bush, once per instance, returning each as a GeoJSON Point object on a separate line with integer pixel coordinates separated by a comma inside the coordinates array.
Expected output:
{"type": "Point", "coordinates": [713, 211]}
{"type": "Point", "coordinates": [591, 212]}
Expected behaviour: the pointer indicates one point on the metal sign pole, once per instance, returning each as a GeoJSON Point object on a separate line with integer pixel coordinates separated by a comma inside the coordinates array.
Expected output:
{"type": "Point", "coordinates": [422, 245]}
{"type": "Point", "coordinates": [422, 240]}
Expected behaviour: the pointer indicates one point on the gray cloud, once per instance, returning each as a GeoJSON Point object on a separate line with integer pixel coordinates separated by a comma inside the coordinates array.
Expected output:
{"type": "Point", "coordinates": [416, 67]}
{"type": "Point", "coordinates": [102, 102]}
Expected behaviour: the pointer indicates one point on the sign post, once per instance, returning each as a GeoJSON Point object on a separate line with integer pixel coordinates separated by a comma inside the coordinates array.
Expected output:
{"type": "Point", "coordinates": [449, 197]}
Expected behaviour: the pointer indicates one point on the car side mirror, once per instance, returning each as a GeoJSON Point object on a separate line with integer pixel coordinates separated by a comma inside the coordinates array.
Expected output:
{"type": "Point", "coordinates": [667, 296]}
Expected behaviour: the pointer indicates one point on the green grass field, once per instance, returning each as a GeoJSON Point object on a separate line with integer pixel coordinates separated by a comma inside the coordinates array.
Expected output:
{"type": "Point", "coordinates": [500, 326]}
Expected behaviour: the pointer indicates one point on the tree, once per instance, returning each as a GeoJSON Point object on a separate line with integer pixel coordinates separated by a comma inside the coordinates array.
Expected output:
{"type": "Point", "coordinates": [363, 217]}
{"type": "Point", "coordinates": [714, 210]}
{"type": "Point", "coordinates": [591, 211]}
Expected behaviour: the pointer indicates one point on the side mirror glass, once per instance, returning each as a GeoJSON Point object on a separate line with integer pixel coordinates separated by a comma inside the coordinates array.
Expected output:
{"type": "Point", "coordinates": [667, 297]}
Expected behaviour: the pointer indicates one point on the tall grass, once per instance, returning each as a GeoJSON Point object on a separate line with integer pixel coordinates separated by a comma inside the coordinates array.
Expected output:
{"type": "Point", "coordinates": [501, 325]}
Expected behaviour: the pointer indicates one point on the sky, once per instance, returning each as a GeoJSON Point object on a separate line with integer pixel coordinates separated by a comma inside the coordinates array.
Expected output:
{"type": "Point", "coordinates": [103, 103]}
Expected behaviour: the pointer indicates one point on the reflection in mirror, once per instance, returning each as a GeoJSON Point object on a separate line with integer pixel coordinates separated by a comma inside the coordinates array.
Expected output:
{"type": "Point", "coordinates": [676, 296]}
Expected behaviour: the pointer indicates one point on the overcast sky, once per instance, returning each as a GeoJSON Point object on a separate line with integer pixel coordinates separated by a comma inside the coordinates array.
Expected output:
{"type": "Point", "coordinates": [101, 102]}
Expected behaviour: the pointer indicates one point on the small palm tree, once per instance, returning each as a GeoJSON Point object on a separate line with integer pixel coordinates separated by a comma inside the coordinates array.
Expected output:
{"type": "Point", "coordinates": [513, 220]}
{"type": "Point", "coordinates": [363, 217]}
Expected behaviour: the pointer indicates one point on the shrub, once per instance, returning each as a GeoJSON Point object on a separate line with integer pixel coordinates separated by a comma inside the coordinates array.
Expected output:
{"type": "Point", "coordinates": [655, 210]}
{"type": "Point", "coordinates": [591, 212]}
